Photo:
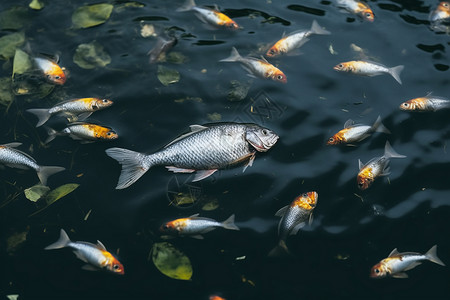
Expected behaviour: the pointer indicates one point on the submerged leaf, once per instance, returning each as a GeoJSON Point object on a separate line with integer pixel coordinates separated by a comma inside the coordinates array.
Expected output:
{"type": "Point", "coordinates": [36, 5]}
{"type": "Point", "coordinates": [60, 192]}
{"type": "Point", "coordinates": [175, 57]}
{"type": "Point", "coordinates": [6, 95]}
{"type": "Point", "coordinates": [14, 18]}
{"type": "Point", "coordinates": [168, 76]}
{"type": "Point", "coordinates": [211, 205]}
{"type": "Point", "coordinates": [12, 297]}
{"type": "Point", "coordinates": [89, 56]}
{"type": "Point", "coordinates": [15, 241]}
{"type": "Point", "coordinates": [9, 44]}
{"type": "Point", "coordinates": [91, 15]}
{"type": "Point", "coordinates": [36, 192]}
{"type": "Point", "coordinates": [171, 262]}
{"type": "Point", "coordinates": [22, 62]}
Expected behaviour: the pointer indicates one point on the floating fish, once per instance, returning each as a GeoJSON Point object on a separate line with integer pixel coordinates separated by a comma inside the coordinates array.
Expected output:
{"type": "Point", "coordinates": [17, 159]}
{"type": "Point", "coordinates": [205, 149]}
{"type": "Point", "coordinates": [427, 103]}
{"type": "Point", "coordinates": [257, 67]}
{"type": "Point", "coordinates": [51, 70]}
{"type": "Point", "coordinates": [378, 166]}
{"type": "Point", "coordinates": [81, 108]}
{"type": "Point", "coordinates": [366, 68]}
{"type": "Point", "coordinates": [358, 8]}
{"type": "Point", "coordinates": [356, 132]}
{"type": "Point", "coordinates": [163, 45]}
{"type": "Point", "coordinates": [441, 13]}
{"type": "Point", "coordinates": [84, 132]}
{"type": "Point", "coordinates": [397, 263]}
{"type": "Point", "coordinates": [294, 217]}
{"type": "Point", "coordinates": [95, 255]}
{"type": "Point", "coordinates": [295, 40]}
{"type": "Point", "coordinates": [195, 226]}
{"type": "Point", "coordinates": [210, 16]}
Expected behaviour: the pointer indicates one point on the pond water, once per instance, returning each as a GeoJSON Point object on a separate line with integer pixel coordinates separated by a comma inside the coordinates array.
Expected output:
{"type": "Point", "coordinates": [351, 231]}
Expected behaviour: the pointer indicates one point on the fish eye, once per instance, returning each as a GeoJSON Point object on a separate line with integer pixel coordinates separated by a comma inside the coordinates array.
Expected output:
{"type": "Point", "coordinates": [340, 65]}
{"type": "Point", "coordinates": [368, 15]}
{"type": "Point", "coordinates": [264, 131]}
{"type": "Point", "coordinates": [57, 77]}
{"type": "Point", "coordinates": [377, 271]}
{"type": "Point", "coordinates": [405, 104]}
{"type": "Point", "coordinates": [445, 4]}
{"type": "Point", "coordinates": [108, 133]}
{"type": "Point", "coordinates": [271, 51]}
{"type": "Point", "coordinates": [305, 195]}
{"type": "Point", "coordinates": [105, 100]}
{"type": "Point", "coordinates": [280, 77]}
{"type": "Point", "coordinates": [331, 139]}
{"type": "Point", "coordinates": [116, 267]}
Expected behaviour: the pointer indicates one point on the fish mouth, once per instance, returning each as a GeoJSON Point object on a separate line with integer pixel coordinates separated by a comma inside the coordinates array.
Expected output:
{"type": "Point", "coordinates": [264, 146]}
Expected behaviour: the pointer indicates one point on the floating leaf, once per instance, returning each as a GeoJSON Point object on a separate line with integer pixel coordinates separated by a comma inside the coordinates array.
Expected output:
{"type": "Point", "coordinates": [176, 58]}
{"type": "Point", "coordinates": [148, 30]}
{"type": "Point", "coordinates": [238, 90]}
{"type": "Point", "coordinates": [15, 241]}
{"type": "Point", "coordinates": [12, 297]}
{"type": "Point", "coordinates": [214, 117]}
{"type": "Point", "coordinates": [22, 62]}
{"type": "Point", "coordinates": [9, 44]}
{"type": "Point", "coordinates": [14, 18]}
{"type": "Point", "coordinates": [89, 56]}
{"type": "Point", "coordinates": [60, 192]}
{"type": "Point", "coordinates": [128, 4]}
{"type": "Point", "coordinates": [36, 5]}
{"type": "Point", "coordinates": [36, 192]}
{"type": "Point", "coordinates": [91, 15]}
{"type": "Point", "coordinates": [168, 76]}
{"type": "Point", "coordinates": [6, 95]}
{"type": "Point", "coordinates": [211, 205]}
{"type": "Point", "coordinates": [171, 262]}
{"type": "Point", "coordinates": [183, 199]}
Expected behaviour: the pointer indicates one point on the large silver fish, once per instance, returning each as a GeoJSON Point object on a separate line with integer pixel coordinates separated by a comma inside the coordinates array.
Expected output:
{"type": "Point", "coordinates": [204, 149]}
{"type": "Point", "coordinates": [17, 159]}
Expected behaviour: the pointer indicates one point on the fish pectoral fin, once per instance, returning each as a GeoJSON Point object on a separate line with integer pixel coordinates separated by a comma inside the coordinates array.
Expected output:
{"type": "Point", "coordinates": [297, 228]}
{"type": "Point", "coordinates": [361, 165]}
{"type": "Point", "coordinates": [198, 237]}
{"type": "Point", "coordinates": [282, 211]}
{"type": "Point", "coordinates": [400, 275]}
{"type": "Point", "coordinates": [202, 174]}
{"type": "Point", "coordinates": [80, 256]}
{"type": "Point", "coordinates": [393, 252]}
{"type": "Point", "coordinates": [348, 123]}
{"type": "Point", "coordinates": [311, 219]}
{"type": "Point", "coordinates": [90, 268]}
{"type": "Point", "coordinates": [249, 163]}
{"type": "Point", "coordinates": [386, 171]}
{"type": "Point", "coordinates": [84, 116]}
{"type": "Point", "coordinates": [12, 145]}
{"type": "Point", "coordinates": [100, 245]}
{"type": "Point", "coordinates": [179, 170]}
{"type": "Point", "coordinates": [194, 215]}
{"type": "Point", "coordinates": [413, 265]}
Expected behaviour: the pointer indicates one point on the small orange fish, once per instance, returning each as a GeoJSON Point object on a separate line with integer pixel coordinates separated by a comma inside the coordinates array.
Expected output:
{"type": "Point", "coordinates": [95, 255]}
{"type": "Point", "coordinates": [358, 8]}
{"type": "Point", "coordinates": [397, 263]}
{"type": "Point", "coordinates": [367, 68]}
{"type": "Point", "coordinates": [378, 166]}
{"type": "Point", "coordinates": [257, 67]}
{"type": "Point", "coordinates": [441, 13]}
{"type": "Point", "coordinates": [51, 70]}
{"type": "Point", "coordinates": [427, 103]}
{"type": "Point", "coordinates": [210, 16]}
{"type": "Point", "coordinates": [85, 132]}
{"type": "Point", "coordinates": [215, 297]}
{"type": "Point", "coordinates": [356, 132]}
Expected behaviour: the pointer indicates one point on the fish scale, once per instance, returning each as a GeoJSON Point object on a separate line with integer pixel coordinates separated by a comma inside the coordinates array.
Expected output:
{"type": "Point", "coordinates": [16, 157]}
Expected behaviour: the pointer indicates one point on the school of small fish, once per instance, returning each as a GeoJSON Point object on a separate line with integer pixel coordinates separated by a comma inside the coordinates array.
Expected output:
{"type": "Point", "coordinates": [207, 148]}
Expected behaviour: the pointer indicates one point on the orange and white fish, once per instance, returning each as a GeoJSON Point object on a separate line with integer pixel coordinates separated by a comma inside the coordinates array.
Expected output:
{"type": "Point", "coordinates": [356, 132]}
{"type": "Point", "coordinates": [441, 13]}
{"type": "Point", "coordinates": [257, 67]}
{"type": "Point", "coordinates": [295, 40]}
{"type": "Point", "coordinates": [294, 217]}
{"type": "Point", "coordinates": [210, 16]}
{"type": "Point", "coordinates": [80, 107]}
{"type": "Point", "coordinates": [358, 8]}
{"type": "Point", "coordinates": [95, 255]}
{"type": "Point", "coordinates": [367, 68]}
{"type": "Point", "coordinates": [195, 226]}
{"type": "Point", "coordinates": [51, 70]}
{"type": "Point", "coordinates": [84, 132]}
{"type": "Point", "coordinates": [427, 103]}
{"type": "Point", "coordinates": [20, 160]}
{"type": "Point", "coordinates": [378, 166]}
{"type": "Point", "coordinates": [397, 263]}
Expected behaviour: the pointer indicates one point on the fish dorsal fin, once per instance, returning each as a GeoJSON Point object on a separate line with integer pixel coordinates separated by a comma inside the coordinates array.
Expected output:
{"type": "Point", "coordinates": [100, 245]}
{"type": "Point", "coordinates": [361, 165]}
{"type": "Point", "coordinates": [12, 145]}
{"type": "Point", "coordinates": [194, 129]}
{"type": "Point", "coordinates": [282, 211]}
{"type": "Point", "coordinates": [429, 94]}
{"type": "Point", "coordinates": [348, 123]}
{"type": "Point", "coordinates": [216, 7]}
{"type": "Point", "coordinates": [264, 59]}
{"type": "Point", "coordinates": [195, 215]}
{"type": "Point", "coordinates": [284, 34]}
{"type": "Point", "coordinates": [393, 252]}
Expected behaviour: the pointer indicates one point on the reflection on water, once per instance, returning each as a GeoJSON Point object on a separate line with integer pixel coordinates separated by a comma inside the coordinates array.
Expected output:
{"type": "Point", "coordinates": [352, 229]}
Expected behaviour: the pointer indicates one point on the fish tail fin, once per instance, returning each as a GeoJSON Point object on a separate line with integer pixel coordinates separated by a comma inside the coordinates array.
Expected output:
{"type": "Point", "coordinates": [44, 172]}
{"type": "Point", "coordinates": [188, 5]}
{"type": "Point", "coordinates": [234, 56]}
{"type": "Point", "coordinates": [316, 29]}
{"type": "Point", "coordinates": [42, 114]}
{"type": "Point", "coordinates": [229, 223]}
{"type": "Point", "coordinates": [52, 133]}
{"type": "Point", "coordinates": [395, 72]}
{"type": "Point", "coordinates": [280, 249]}
{"type": "Point", "coordinates": [432, 256]}
{"type": "Point", "coordinates": [133, 166]}
{"type": "Point", "coordinates": [379, 127]}
{"type": "Point", "coordinates": [62, 242]}
{"type": "Point", "coordinates": [389, 152]}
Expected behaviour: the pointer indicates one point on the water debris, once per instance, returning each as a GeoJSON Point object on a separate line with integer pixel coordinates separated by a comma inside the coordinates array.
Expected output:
{"type": "Point", "coordinates": [195, 99]}
{"type": "Point", "coordinates": [12, 297]}
{"type": "Point", "coordinates": [360, 197]}
{"type": "Point", "coordinates": [36, 5]}
{"type": "Point", "coordinates": [87, 215]}
{"type": "Point", "coordinates": [331, 49]}
{"type": "Point", "coordinates": [167, 76]}
{"type": "Point", "coordinates": [175, 57]}
{"type": "Point", "coordinates": [9, 43]}
{"type": "Point", "coordinates": [36, 192]}
{"type": "Point", "coordinates": [214, 117]}
{"type": "Point", "coordinates": [342, 256]}
{"type": "Point", "coordinates": [211, 205]}
{"type": "Point", "coordinates": [91, 55]}
{"type": "Point", "coordinates": [170, 261]}
{"type": "Point", "coordinates": [57, 194]}
{"type": "Point", "coordinates": [6, 94]}
{"type": "Point", "coordinates": [91, 15]}
{"type": "Point", "coordinates": [15, 241]}
{"type": "Point", "coordinates": [14, 18]}
{"type": "Point", "coordinates": [239, 90]}
{"type": "Point", "coordinates": [148, 30]}
{"type": "Point", "coordinates": [180, 199]}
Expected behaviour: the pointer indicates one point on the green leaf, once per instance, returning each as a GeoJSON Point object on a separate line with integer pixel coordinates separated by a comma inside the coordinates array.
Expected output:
{"type": "Point", "coordinates": [6, 95]}
{"type": "Point", "coordinates": [15, 241]}
{"type": "Point", "coordinates": [171, 262]}
{"type": "Point", "coordinates": [89, 56]}
{"type": "Point", "coordinates": [176, 58]}
{"type": "Point", "coordinates": [36, 5]}
{"type": "Point", "coordinates": [9, 44]}
{"type": "Point", "coordinates": [168, 76]}
{"type": "Point", "coordinates": [12, 297]}
{"type": "Point", "coordinates": [60, 192]}
{"type": "Point", "coordinates": [14, 18]}
{"type": "Point", "coordinates": [22, 62]}
{"type": "Point", "coordinates": [211, 205]}
{"type": "Point", "coordinates": [91, 15]}
{"type": "Point", "coordinates": [36, 192]}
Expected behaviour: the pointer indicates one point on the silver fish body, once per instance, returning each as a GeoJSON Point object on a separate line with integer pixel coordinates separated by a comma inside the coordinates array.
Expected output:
{"type": "Point", "coordinates": [163, 45]}
{"type": "Point", "coordinates": [205, 149]}
{"type": "Point", "coordinates": [426, 103]}
{"type": "Point", "coordinates": [17, 159]}
{"type": "Point", "coordinates": [84, 132]}
{"type": "Point", "coordinates": [368, 68]}
{"type": "Point", "coordinates": [356, 132]}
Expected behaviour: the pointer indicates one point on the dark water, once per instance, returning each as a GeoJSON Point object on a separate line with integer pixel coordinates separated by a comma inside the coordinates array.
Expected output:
{"type": "Point", "coordinates": [352, 230]}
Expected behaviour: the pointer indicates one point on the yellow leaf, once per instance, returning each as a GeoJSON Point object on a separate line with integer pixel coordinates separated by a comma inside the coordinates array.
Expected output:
{"type": "Point", "coordinates": [91, 15]}
{"type": "Point", "coordinates": [171, 262]}
{"type": "Point", "coordinates": [60, 192]}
